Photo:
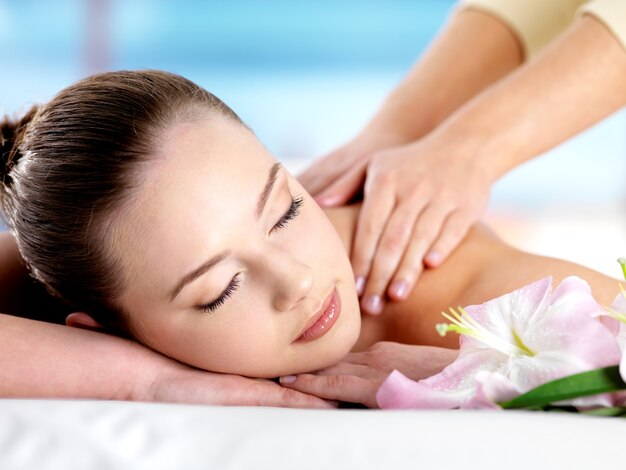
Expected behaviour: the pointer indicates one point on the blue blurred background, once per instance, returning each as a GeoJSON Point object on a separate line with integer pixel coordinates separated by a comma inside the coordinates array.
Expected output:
{"type": "Point", "coordinates": [306, 75]}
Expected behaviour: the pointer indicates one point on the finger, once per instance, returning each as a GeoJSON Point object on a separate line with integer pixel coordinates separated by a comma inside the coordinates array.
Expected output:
{"type": "Point", "coordinates": [426, 230]}
{"type": "Point", "coordinates": [342, 189]}
{"type": "Point", "coordinates": [393, 243]}
{"type": "Point", "coordinates": [344, 368]}
{"type": "Point", "coordinates": [376, 208]}
{"type": "Point", "coordinates": [317, 177]}
{"type": "Point", "coordinates": [348, 388]}
{"type": "Point", "coordinates": [454, 230]}
{"type": "Point", "coordinates": [271, 394]}
{"type": "Point", "coordinates": [323, 172]}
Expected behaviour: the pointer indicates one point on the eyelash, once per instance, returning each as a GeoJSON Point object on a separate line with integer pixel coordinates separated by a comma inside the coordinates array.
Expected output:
{"type": "Point", "coordinates": [292, 213]}
{"type": "Point", "coordinates": [217, 303]}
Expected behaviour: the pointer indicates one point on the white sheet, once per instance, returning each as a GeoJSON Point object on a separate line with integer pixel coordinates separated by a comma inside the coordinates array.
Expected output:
{"type": "Point", "coordinates": [48, 434]}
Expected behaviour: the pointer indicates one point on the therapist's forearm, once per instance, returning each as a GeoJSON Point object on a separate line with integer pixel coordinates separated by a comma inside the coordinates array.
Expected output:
{"type": "Point", "coordinates": [574, 83]}
{"type": "Point", "coordinates": [472, 51]}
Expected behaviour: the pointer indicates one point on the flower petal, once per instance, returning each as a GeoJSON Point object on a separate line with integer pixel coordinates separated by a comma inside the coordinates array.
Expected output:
{"type": "Point", "coordinates": [491, 389]}
{"type": "Point", "coordinates": [400, 392]}
{"type": "Point", "coordinates": [527, 373]}
{"type": "Point", "coordinates": [622, 365]}
{"type": "Point", "coordinates": [608, 319]}
{"type": "Point", "coordinates": [619, 303]}
{"type": "Point", "coordinates": [571, 310]}
{"type": "Point", "coordinates": [621, 338]}
{"type": "Point", "coordinates": [450, 388]}
{"type": "Point", "coordinates": [510, 312]}
{"type": "Point", "coordinates": [530, 372]}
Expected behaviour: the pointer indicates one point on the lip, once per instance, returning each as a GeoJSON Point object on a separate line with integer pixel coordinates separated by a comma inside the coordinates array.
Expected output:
{"type": "Point", "coordinates": [323, 321]}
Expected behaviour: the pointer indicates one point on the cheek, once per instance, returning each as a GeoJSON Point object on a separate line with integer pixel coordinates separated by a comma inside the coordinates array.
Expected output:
{"type": "Point", "coordinates": [237, 340]}
{"type": "Point", "coordinates": [318, 238]}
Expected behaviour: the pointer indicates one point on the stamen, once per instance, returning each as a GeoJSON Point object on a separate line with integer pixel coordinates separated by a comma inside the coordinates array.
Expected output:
{"type": "Point", "coordinates": [464, 324]}
{"type": "Point", "coordinates": [520, 344]}
{"type": "Point", "coordinates": [619, 316]}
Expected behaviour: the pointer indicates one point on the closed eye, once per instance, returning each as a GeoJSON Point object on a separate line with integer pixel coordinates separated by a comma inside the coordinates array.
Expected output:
{"type": "Point", "coordinates": [291, 213]}
{"type": "Point", "coordinates": [217, 303]}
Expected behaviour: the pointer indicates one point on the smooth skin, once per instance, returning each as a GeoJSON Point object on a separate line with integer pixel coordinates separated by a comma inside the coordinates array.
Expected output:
{"type": "Point", "coordinates": [468, 112]}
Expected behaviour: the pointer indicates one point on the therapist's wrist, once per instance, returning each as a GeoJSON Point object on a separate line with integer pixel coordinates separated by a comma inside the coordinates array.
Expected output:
{"type": "Point", "coordinates": [491, 150]}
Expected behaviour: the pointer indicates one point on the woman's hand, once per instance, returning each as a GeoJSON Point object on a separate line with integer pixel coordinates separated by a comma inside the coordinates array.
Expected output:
{"type": "Point", "coordinates": [357, 378]}
{"type": "Point", "coordinates": [187, 385]}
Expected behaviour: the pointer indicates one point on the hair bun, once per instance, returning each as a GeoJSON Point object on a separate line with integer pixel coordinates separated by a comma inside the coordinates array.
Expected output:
{"type": "Point", "coordinates": [11, 135]}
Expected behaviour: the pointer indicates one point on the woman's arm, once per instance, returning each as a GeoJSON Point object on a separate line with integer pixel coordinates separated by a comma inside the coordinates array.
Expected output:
{"type": "Point", "coordinates": [40, 359]}
{"type": "Point", "coordinates": [43, 360]}
{"type": "Point", "coordinates": [473, 50]}
{"type": "Point", "coordinates": [572, 84]}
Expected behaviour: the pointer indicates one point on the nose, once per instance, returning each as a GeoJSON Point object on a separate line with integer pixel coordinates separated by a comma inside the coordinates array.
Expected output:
{"type": "Point", "coordinates": [291, 280]}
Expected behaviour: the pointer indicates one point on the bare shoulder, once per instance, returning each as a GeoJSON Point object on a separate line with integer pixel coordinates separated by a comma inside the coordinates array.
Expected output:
{"type": "Point", "coordinates": [481, 268]}
{"type": "Point", "coordinates": [344, 219]}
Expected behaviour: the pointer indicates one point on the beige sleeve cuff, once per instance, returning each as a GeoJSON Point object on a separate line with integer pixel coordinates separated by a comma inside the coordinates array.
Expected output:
{"type": "Point", "coordinates": [535, 22]}
{"type": "Point", "coordinates": [612, 13]}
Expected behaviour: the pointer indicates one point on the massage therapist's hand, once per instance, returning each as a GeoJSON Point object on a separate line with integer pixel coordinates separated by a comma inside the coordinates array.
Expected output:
{"type": "Point", "coordinates": [420, 200]}
{"type": "Point", "coordinates": [335, 178]}
{"type": "Point", "coordinates": [358, 376]}
{"type": "Point", "coordinates": [173, 382]}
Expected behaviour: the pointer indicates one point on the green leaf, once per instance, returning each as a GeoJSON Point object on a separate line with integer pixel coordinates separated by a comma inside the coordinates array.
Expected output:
{"type": "Point", "coordinates": [615, 411]}
{"type": "Point", "coordinates": [584, 384]}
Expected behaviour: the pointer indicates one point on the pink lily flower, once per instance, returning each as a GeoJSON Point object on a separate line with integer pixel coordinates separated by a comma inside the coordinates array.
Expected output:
{"type": "Point", "coordinates": [512, 344]}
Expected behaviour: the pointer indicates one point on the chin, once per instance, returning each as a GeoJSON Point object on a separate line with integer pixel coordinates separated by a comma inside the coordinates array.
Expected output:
{"type": "Point", "coordinates": [319, 354]}
{"type": "Point", "coordinates": [330, 352]}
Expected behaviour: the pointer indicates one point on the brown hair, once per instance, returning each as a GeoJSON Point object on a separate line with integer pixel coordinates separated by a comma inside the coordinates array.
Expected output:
{"type": "Point", "coordinates": [72, 162]}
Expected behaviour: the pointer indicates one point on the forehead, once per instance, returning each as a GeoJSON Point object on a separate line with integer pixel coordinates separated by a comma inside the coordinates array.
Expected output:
{"type": "Point", "coordinates": [205, 176]}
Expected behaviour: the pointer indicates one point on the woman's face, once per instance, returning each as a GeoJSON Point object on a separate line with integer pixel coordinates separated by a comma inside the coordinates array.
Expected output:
{"type": "Point", "coordinates": [232, 266]}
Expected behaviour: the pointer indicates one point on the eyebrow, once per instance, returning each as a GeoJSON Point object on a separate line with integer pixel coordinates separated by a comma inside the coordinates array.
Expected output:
{"type": "Point", "coordinates": [269, 185]}
{"type": "Point", "coordinates": [204, 267]}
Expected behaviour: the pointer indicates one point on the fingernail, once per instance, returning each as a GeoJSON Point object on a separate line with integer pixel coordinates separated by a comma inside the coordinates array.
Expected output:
{"type": "Point", "coordinates": [324, 201]}
{"type": "Point", "coordinates": [288, 379]}
{"type": "Point", "coordinates": [433, 258]}
{"type": "Point", "coordinates": [373, 304]}
{"type": "Point", "coordinates": [360, 285]}
{"type": "Point", "coordinates": [400, 288]}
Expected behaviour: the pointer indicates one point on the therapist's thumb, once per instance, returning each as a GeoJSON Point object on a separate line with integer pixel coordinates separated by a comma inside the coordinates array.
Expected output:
{"type": "Point", "coordinates": [342, 189]}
